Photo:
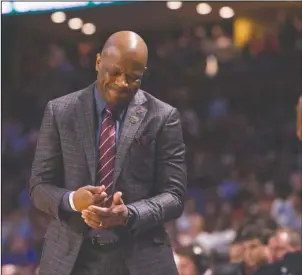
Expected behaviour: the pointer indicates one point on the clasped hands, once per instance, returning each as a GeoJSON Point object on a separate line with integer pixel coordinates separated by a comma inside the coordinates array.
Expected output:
{"type": "Point", "coordinates": [90, 200]}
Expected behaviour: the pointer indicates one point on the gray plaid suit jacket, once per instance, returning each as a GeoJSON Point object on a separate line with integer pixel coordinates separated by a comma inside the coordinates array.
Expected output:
{"type": "Point", "coordinates": [150, 170]}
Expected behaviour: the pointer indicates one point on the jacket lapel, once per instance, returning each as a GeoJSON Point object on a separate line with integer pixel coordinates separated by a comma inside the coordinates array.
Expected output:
{"type": "Point", "coordinates": [86, 122]}
{"type": "Point", "coordinates": [133, 119]}
{"type": "Point", "coordinates": [85, 110]}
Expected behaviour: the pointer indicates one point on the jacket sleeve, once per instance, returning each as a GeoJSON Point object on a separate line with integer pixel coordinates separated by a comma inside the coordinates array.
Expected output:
{"type": "Point", "coordinates": [47, 175]}
{"type": "Point", "coordinates": [171, 179]}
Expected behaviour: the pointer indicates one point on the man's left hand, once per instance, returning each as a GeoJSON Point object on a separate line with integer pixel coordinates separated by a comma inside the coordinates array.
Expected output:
{"type": "Point", "coordinates": [102, 217]}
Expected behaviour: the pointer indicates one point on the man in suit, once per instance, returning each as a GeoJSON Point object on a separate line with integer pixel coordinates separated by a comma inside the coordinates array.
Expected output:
{"type": "Point", "coordinates": [110, 169]}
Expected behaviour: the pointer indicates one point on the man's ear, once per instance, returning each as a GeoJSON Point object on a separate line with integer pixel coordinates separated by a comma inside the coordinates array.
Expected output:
{"type": "Point", "coordinates": [97, 62]}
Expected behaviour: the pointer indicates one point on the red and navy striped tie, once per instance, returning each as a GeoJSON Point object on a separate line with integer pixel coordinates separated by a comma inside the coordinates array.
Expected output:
{"type": "Point", "coordinates": [107, 152]}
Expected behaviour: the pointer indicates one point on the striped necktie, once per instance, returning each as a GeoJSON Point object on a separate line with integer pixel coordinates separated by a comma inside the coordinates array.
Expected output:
{"type": "Point", "coordinates": [107, 151]}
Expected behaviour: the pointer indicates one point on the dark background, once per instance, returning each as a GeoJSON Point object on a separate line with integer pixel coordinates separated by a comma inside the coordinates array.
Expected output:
{"type": "Point", "coordinates": [239, 122]}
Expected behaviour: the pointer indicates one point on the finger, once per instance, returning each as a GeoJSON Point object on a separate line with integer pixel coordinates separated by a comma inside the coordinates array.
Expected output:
{"type": "Point", "coordinates": [89, 220]}
{"type": "Point", "coordinates": [92, 224]}
{"type": "Point", "coordinates": [117, 198]}
{"type": "Point", "coordinates": [107, 202]}
{"type": "Point", "coordinates": [95, 189]}
{"type": "Point", "coordinates": [108, 222]}
{"type": "Point", "coordinates": [99, 198]}
{"type": "Point", "coordinates": [91, 216]}
{"type": "Point", "coordinates": [117, 210]}
{"type": "Point", "coordinates": [101, 211]}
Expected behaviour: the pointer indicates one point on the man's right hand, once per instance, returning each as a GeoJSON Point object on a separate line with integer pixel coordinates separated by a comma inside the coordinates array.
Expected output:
{"type": "Point", "coordinates": [88, 195]}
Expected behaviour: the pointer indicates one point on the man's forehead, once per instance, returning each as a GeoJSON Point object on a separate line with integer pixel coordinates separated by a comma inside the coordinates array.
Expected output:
{"type": "Point", "coordinates": [116, 55]}
{"type": "Point", "coordinates": [116, 51]}
{"type": "Point", "coordinates": [125, 65]}
{"type": "Point", "coordinates": [282, 236]}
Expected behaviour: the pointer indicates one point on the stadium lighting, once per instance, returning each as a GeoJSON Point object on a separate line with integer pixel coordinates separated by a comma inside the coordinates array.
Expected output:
{"type": "Point", "coordinates": [58, 17]}
{"type": "Point", "coordinates": [40, 6]}
{"type": "Point", "coordinates": [6, 7]}
{"type": "Point", "coordinates": [226, 12]}
{"type": "Point", "coordinates": [174, 5]}
{"type": "Point", "coordinates": [14, 7]}
{"type": "Point", "coordinates": [75, 23]}
{"type": "Point", "coordinates": [203, 8]}
{"type": "Point", "coordinates": [88, 28]}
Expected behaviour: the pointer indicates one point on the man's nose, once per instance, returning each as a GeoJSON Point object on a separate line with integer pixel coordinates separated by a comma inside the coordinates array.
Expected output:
{"type": "Point", "coordinates": [121, 80]}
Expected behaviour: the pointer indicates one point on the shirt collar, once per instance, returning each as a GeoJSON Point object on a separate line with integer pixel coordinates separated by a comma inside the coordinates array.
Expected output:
{"type": "Point", "coordinates": [101, 105]}
{"type": "Point", "coordinates": [100, 102]}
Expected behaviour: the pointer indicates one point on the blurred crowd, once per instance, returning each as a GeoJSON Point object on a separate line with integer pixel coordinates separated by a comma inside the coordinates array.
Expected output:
{"type": "Point", "coordinates": [237, 106]}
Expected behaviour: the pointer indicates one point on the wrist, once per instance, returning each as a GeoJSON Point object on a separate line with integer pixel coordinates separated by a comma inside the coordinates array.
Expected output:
{"type": "Point", "coordinates": [126, 216]}
{"type": "Point", "coordinates": [129, 221]}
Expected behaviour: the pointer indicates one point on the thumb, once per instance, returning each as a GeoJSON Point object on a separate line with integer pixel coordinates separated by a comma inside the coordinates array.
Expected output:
{"type": "Point", "coordinates": [117, 198]}
{"type": "Point", "coordinates": [95, 189]}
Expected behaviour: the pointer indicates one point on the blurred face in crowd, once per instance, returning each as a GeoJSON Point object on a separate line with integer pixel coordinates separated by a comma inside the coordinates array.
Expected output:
{"type": "Point", "coordinates": [236, 253]}
{"type": "Point", "coordinates": [120, 67]}
{"type": "Point", "coordinates": [185, 266]}
{"type": "Point", "coordinates": [18, 245]}
{"type": "Point", "coordinates": [283, 245]}
{"type": "Point", "coordinates": [255, 252]}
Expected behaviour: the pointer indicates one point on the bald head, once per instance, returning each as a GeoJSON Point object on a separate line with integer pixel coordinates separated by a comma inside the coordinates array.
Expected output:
{"type": "Point", "coordinates": [121, 66]}
{"type": "Point", "coordinates": [126, 44]}
{"type": "Point", "coordinates": [290, 236]}
{"type": "Point", "coordinates": [284, 241]}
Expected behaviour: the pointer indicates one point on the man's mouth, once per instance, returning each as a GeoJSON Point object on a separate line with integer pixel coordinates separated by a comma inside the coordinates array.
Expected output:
{"type": "Point", "coordinates": [118, 89]}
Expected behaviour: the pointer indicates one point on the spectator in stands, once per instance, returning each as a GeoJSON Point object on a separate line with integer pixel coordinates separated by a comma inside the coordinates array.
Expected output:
{"type": "Point", "coordinates": [295, 220]}
{"type": "Point", "coordinates": [186, 261]}
{"type": "Point", "coordinates": [287, 241]}
{"type": "Point", "coordinates": [256, 252]}
{"type": "Point", "coordinates": [285, 247]}
{"type": "Point", "coordinates": [190, 224]}
{"type": "Point", "coordinates": [236, 252]}
{"type": "Point", "coordinates": [281, 209]}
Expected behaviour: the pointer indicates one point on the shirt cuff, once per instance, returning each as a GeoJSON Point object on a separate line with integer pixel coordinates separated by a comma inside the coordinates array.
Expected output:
{"type": "Point", "coordinates": [67, 202]}
{"type": "Point", "coordinates": [71, 201]}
